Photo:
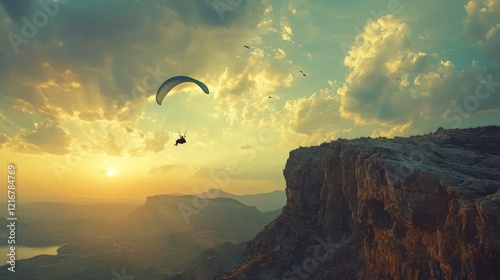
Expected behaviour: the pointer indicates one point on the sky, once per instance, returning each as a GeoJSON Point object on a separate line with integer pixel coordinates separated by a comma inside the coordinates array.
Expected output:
{"type": "Point", "coordinates": [78, 80]}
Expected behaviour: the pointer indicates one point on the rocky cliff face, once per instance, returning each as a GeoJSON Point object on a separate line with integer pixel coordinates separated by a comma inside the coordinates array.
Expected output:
{"type": "Point", "coordinates": [424, 207]}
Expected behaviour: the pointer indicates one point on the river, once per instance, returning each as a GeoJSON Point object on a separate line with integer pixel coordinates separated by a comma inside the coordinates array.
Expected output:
{"type": "Point", "coordinates": [25, 252]}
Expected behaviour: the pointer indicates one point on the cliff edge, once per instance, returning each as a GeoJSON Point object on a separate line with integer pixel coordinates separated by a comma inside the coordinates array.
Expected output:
{"type": "Point", "coordinates": [423, 207]}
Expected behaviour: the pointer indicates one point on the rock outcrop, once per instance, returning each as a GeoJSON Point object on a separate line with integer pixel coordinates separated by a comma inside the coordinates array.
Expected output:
{"type": "Point", "coordinates": [423, 207]}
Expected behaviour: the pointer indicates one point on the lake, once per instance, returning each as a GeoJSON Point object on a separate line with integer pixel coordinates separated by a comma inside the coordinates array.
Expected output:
{"type": "Point", "coordinates": [24, 252]}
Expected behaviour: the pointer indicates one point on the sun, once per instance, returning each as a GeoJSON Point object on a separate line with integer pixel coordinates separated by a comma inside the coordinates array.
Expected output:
{"type": "Point", "coordinates": [110, 172]}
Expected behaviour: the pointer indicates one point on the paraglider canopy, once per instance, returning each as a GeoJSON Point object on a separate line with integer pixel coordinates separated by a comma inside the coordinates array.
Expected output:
{"type": "Point", "coordinates": [169, 84]}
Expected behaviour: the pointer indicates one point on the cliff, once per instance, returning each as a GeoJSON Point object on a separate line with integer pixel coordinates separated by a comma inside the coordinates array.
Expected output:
{"type": "Point", "coordinates": [423, 207]}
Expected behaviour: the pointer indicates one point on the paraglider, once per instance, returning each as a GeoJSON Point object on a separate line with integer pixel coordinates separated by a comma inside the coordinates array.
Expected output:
{"type": "Point", "coordinates": [174, 81]}
{"type": "Point", "coordinates": [246, 47]}
{"type": "Point", "coordinates": [181, 140]}
{"type": "Point", "coordinates": [168, 85]}
{"type": "Point", "coordinates": [303, 74]}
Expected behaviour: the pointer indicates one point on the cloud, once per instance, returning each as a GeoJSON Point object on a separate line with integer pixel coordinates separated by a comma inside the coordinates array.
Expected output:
{"type": "Point", "coordinates": [309, 114]}
{"type": "Point", "coordinates": [46, 137]}
{"type": "Point", "coordinates": [113, 139]}
{"type": "Point", "coordinates": [155, 142]}
{"type": "Point", "coordinates": [286, 31]}
{"type": "Point", "coordinates": [161, 169]}
{"type": "Point", "coordinates": [208, 172]}
{"type": "Point", "coordinates": [203, 138]}
{"type": "Point", "coordinates": [313, 120]}
{"type": "Point", "coordinates": [391, 82]}
{"type": "Point", "coordinates": [242, 93]}
{"type": "Point", "coordinates": [395, 85]}
{"type": "Point", "coordinates": [89, 116]}
{"type": "Point", "coordinates": [280, 54]}
{"type": "Point", "coordinates": [111, 148]}
{"type": "Point", "coordinates": [483, 25]}
{"type": "Point", "coordinates": [4, 139]}
{"type": "Point", "coordinates": [98, 137]}
{"type": "Point", "coordinates": [265, 26]}
{"type": "Point", "coordinates": [112, 58]}
{"type": "Point", "coordinates": [245, 147]}
{"type": "Point", "coordinates": [16, 9]}
{"type": "Point", "coordinates": [203, 172]}
{"type": "Point", "coordinates": [97, 61]}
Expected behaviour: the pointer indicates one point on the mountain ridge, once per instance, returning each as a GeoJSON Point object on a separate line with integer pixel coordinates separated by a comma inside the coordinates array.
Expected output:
{"type": "Point", "coordinates": [421, 207]}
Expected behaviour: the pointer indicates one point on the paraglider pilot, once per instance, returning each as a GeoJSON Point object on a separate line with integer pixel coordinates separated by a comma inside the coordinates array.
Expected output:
{"type": "Point", "coordinates": [181, 140]}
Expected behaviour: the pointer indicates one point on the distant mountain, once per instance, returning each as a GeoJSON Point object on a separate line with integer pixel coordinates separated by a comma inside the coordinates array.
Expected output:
{"type": "Point", "coordinates": [152, 241]}
{"type": "Point", "coordinates": [78, 199]}
{"type": "Point", "coordinates": [184, 219]}
{"type": "Point", "coordinates": [273, 214]}
{"type": "Point", "coordinates": [69, 211]}
{"type": "Point", "coordinates": [263, 201]}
